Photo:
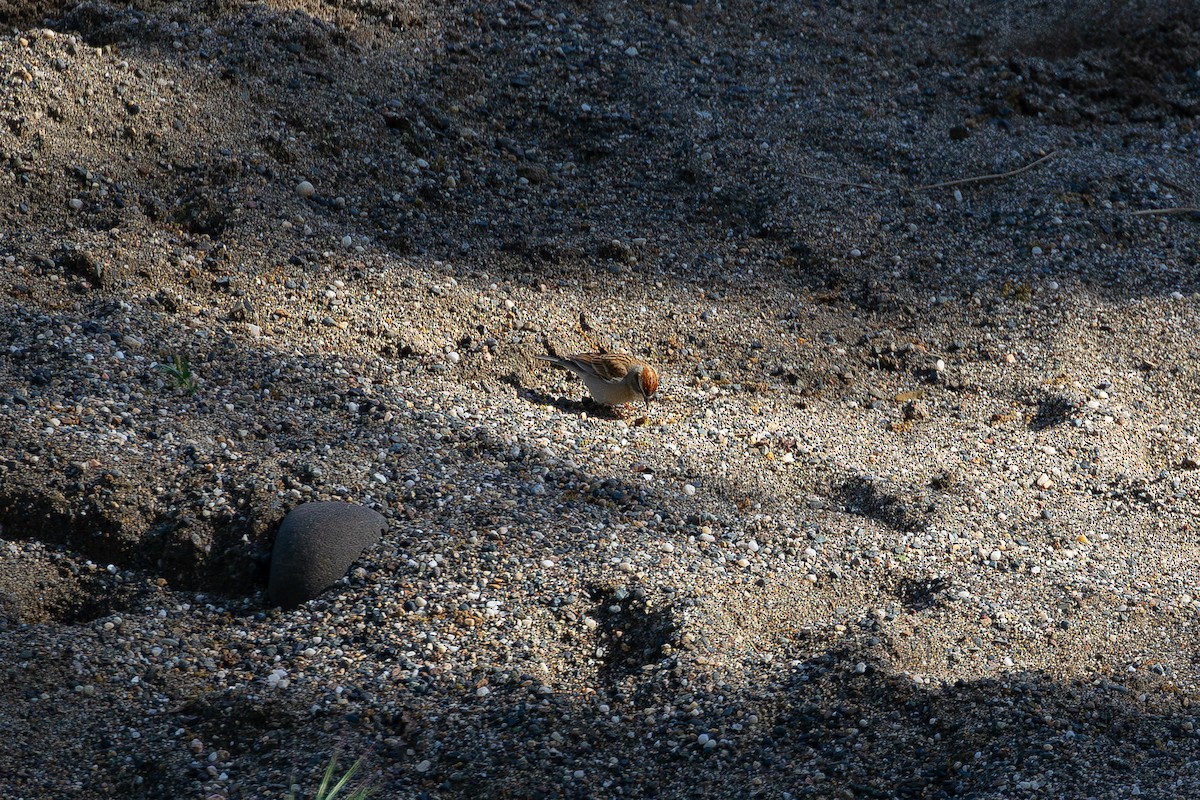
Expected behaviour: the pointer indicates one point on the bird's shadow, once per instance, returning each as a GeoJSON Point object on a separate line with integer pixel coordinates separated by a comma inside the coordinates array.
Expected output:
{"type": "Point", "coordinates": [564, 404]}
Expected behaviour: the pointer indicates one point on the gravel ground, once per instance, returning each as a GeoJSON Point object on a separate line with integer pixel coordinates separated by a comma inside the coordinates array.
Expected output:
{"type": "Point", "coordinates": [915, 515]}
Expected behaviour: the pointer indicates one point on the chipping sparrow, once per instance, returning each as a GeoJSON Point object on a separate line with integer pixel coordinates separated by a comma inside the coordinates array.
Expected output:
{"type": "Point", "coordinates": [612, 378]}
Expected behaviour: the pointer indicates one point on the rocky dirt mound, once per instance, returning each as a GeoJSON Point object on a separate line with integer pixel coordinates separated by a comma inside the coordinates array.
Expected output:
{"type": "Point", "coordinates": [914, 515]}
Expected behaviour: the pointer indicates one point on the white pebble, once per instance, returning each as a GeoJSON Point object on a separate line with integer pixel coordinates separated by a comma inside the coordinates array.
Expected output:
{"type": "Point", "coordinates": [689, 489]}
{"type": "Point", "coordinates": [305, 189]}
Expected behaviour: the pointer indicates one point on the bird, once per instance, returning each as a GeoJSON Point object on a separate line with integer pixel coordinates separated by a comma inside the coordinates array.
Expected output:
{"type": "Point", "coordinates": [611, 378]}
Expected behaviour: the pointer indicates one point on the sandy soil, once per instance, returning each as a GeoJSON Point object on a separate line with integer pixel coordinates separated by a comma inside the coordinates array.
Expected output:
{"type": "Point", "coordinates": [914, 516]}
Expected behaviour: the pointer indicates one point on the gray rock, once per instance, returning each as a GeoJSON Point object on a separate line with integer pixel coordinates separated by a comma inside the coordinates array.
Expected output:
{"type": "Point", "coordinates": [316, 544]}
{"type": "Point", "coordinates": [916, 411]}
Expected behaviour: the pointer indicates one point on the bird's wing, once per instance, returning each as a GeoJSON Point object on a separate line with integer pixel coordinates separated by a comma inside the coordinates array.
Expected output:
{"type": "Point", "coordinates": [612, 367]}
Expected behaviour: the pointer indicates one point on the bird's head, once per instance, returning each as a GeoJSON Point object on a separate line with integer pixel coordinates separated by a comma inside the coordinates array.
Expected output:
{"type": "Point", "coordinates": [648, 383]}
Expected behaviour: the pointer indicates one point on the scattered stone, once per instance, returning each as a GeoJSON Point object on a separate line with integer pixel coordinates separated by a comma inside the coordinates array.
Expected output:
{"type": "Point", "coordinates": [534, 173]}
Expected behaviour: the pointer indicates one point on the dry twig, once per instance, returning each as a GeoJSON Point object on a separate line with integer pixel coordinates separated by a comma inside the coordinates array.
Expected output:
{"type": "Point", "coordinates": [840, 182]}
{"type": "Point", "coordinates": [957, 182]}
{"type": "Point", "coordinates": [1145, 212]}
{"type": "Point", "coordinates": [993, 177]}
